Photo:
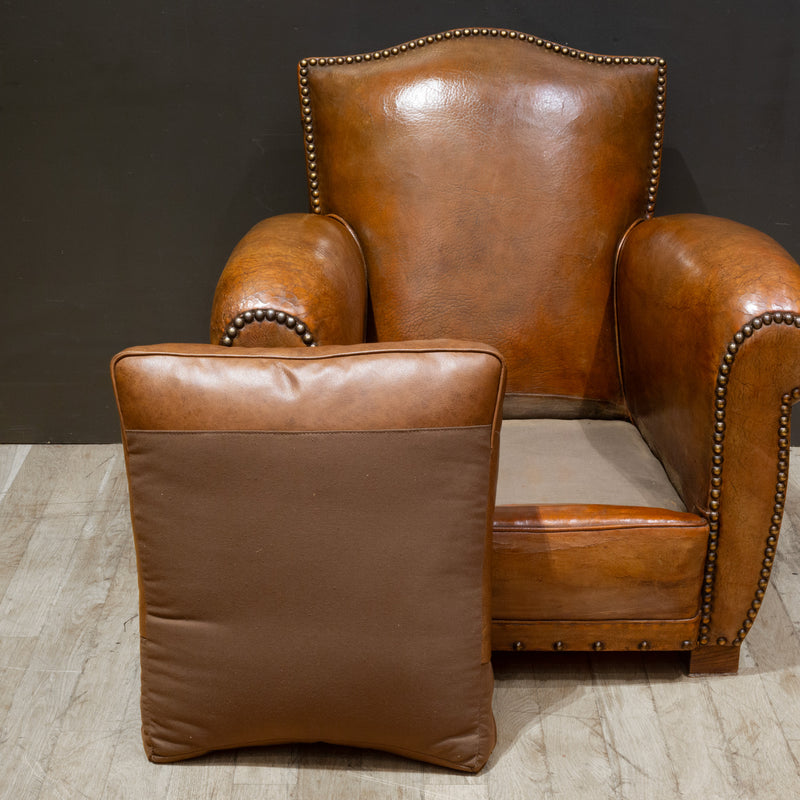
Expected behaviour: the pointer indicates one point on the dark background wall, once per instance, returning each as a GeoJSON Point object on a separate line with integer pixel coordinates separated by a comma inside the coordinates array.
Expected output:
{"type": "Point", "coordinates": [139, 141]}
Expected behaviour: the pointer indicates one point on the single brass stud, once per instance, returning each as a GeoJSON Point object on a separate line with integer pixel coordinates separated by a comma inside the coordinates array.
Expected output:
{"type": "Point", "coordinates": [559, 646]}
{"type": "Point", "coordinates": [598, 646]}
{"type": "Point", "coordinates": [517, 646]}
{"type": "Point", "coordinates": [644, 645]}
{"type": "Point", "coordinates": [722, 640]}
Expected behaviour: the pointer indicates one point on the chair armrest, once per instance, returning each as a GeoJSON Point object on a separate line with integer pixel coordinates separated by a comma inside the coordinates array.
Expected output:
{"type": "Point", "coordinates": [708, 315]}
{"type": "Point", "coordinates": [293, 280]}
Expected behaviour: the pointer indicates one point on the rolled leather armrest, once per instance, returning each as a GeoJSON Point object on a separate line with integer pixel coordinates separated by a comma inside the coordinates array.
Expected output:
{"type": "Point", "coordinates": [708, 315]}
{"type": "Point", "coordinates": [294, 280]}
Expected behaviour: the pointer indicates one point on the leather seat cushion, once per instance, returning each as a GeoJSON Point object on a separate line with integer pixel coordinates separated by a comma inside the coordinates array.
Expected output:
{"type": "Point", "coordinates": [588, 527]}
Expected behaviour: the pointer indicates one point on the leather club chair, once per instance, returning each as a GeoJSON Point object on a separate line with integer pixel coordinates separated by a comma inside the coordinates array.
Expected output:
{"type": "Point", "coordinates": [489, 185]}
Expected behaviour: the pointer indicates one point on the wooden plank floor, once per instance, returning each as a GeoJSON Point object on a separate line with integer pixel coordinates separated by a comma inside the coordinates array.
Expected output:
{"type": "Point", "coordinates": [570, 726]}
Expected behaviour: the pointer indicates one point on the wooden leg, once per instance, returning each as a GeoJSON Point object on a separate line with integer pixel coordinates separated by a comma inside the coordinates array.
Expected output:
{"type": "Point", "coordinates": [714, 659]}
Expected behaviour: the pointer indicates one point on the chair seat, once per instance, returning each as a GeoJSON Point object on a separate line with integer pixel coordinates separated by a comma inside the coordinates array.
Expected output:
{"type": "Point", "coordinates": [590, 461]}
{"type": "Point", "coordinates": [588, 527]}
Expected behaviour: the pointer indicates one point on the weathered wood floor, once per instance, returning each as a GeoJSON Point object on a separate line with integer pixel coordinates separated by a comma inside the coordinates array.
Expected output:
{"type": "Point", "coordinates": [594, 726]}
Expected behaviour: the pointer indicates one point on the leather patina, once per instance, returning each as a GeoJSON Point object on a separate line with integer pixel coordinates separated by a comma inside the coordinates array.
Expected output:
{"type": "Point", "coordinates": [502, 188]}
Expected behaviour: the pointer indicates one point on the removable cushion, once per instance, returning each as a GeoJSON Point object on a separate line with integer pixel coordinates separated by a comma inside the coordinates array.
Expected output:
{"type": "Point", "coordinates": [588, 527]}
{"type": "Point", "coordinates": [305, 584]}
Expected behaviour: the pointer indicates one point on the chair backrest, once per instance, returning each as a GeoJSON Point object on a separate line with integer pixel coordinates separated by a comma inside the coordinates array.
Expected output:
{"type": "Point", "coordinates": [490, 176]}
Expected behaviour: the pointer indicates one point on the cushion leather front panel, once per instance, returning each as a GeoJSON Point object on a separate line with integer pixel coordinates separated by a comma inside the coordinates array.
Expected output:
{"type": "Point", "coordinates": [408, 385]}
{"type": "Point", "coordinates": [585, 562]}
{"type": "Point", "coordinates": [314, 586]}
{"type": "Point", "coordinates": [489, 182]}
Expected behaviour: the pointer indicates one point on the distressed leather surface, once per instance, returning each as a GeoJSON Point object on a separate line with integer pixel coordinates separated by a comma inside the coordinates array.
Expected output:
{"type": "Point", "coordinates": [596, 562]}
{"type": "Point", "coordinates": [686, 286]}
{"type": "Point", "coordinates": [489, 182]}
{"type": "Point", "coordinates": [355, 387]}
{"type": "Point", "coordinates": [302, 265]}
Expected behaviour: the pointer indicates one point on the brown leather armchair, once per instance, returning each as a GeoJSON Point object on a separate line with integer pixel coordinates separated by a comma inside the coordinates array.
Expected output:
{"type": "Point", "coordinates": [489, 185]}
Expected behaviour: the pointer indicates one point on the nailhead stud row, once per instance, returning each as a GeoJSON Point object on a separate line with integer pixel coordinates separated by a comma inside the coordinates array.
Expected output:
{"type": "Point", "coordinates": [596, 646]}
{"type": "Point", "coordinates": [270, 315]}
{"type": "Point", "coordinates": [458, 33]}
{"type": "Point", "coordinates": [744, 333]}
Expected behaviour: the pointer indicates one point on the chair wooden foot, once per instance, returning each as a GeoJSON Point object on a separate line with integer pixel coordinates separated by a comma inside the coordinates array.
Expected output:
{"type": "Point", "coordinates": [714, 660]}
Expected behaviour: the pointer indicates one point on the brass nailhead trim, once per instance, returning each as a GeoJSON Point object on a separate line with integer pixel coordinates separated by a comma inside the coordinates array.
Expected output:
{"type": "Point", "coordinates": [458, 33]}
{"type": "Point", "coordinates": [270, 315]}
{"type": "Point", "coordinates": [518, 646]}
{"type": "Point", "coordinates": [744, 333]}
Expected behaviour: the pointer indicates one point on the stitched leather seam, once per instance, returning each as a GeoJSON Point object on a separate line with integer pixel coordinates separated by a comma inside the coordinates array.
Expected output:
{"type": "Point", "coordinates": [744, 333]}
{"type": "Point", "coordinates": [321, 354]}
{"type": "Point", "coordinates": [645, 526]}
{"type": "Point", "coordinates": [351, 432]}
{"type": "Point", "coordinates": [611, 622]}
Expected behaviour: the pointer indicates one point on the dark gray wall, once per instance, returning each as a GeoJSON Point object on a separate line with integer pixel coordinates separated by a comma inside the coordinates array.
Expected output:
{"type": "Point", "coordinates": [138, 141]}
